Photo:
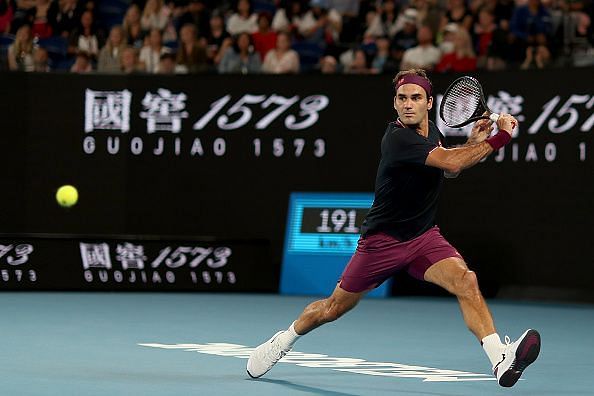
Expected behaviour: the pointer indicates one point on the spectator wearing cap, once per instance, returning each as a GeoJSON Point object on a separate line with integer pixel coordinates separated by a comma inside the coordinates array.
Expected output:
{"type": "Point", "coordinates": [242, 21]}
{"type": "Point", "coordinates": [265, 38]}
{"type": "Point", "coordinates": [282, 59]}
{"type": "Point", "coordinates": [191, 54]}
{"type": "Point", "coordinates": [110, 54]}
{"type": "Point", "coordinates": [240, 57]}
{"type": "Point", "coordinates": [462, 59]}
{"type": "Point", "coordinates": [447, 38]}
{"type": "Point", "coordinates": [406, 38]}
{"type": "Point", "coordinates": [425, 55]}
{"type": "Point", "coordinates": [151, 53]}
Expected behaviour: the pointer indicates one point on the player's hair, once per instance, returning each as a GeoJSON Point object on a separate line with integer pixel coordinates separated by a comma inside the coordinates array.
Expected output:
{"type": "Point", "coordinates": [416, 72]}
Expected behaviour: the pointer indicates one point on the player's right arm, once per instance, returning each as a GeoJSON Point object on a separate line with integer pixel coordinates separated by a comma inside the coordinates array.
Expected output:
{"type": "Point", "coordinates": [454, 160]}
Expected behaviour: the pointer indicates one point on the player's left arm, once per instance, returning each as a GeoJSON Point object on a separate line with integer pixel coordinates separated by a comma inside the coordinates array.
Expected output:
{"type": "Point", "coordinates": [480, 132]}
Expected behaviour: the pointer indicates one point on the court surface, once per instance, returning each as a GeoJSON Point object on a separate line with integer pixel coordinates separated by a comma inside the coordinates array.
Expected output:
{"type": "Point", "coordinates": [89, 344]}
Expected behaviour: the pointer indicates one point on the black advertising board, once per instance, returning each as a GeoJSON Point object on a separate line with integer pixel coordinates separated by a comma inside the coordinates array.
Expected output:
{"type": "Point", "coordinates": [218, 156]}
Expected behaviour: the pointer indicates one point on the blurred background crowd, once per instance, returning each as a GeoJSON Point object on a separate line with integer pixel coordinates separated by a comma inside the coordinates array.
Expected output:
{"type": "Point", "coordinates": [293, 36]}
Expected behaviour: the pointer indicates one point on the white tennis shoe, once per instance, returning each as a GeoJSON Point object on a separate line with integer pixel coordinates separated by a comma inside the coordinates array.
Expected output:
{"type": "Point", "coordinates": [265, 356]}
{"type": "Point", "coordinates": [516, 357]}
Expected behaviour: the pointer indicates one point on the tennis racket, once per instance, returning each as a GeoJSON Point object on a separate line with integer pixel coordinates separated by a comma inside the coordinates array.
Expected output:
{"type": "Point", "coordinates": [464, 102]}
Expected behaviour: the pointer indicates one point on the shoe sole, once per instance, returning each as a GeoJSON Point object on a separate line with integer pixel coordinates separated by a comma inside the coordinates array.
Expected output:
{"type": "Point", "coordinates": [526, 354]}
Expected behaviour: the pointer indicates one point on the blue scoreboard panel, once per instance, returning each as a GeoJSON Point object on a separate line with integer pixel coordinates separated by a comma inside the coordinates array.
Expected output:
{"type": "Point", "coordinates": [321, 236]}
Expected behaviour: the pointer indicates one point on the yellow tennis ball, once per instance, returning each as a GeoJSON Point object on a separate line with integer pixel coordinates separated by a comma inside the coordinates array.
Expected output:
{"type": "Point", "coordinates": [67, 196]}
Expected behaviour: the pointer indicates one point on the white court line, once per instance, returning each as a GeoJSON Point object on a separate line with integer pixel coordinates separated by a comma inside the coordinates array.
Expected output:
{"type": "Point", "coordinates": [344, 364]}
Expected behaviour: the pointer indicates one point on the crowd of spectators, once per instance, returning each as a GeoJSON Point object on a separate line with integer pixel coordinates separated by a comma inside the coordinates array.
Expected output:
{"type": "Point", "coordinates": [293, 36]}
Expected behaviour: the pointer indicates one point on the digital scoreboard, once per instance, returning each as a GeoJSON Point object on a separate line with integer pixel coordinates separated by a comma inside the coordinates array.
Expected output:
{"type": "Point", "coordinates": [321, 236]}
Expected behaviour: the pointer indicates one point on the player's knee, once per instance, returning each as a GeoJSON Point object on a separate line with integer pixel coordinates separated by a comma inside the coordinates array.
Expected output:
{"type": "Point", "coordinates": [468, 286]}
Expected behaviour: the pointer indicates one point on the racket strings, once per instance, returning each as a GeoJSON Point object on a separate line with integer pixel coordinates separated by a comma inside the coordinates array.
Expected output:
{"type": "Point", "coordinates": [461, 102]}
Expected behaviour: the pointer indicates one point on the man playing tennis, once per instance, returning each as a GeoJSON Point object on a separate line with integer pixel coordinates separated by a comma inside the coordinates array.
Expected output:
{"type": "Point", "coordinates": [399, 232]}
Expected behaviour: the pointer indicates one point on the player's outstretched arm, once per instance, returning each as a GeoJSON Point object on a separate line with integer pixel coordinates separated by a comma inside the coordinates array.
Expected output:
{"type": "Point", "coordinates": [454, 160]}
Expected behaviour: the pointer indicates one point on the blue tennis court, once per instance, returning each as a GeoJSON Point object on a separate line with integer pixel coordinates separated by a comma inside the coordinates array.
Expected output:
{"type": "Point", "coordinates": [197, 344]}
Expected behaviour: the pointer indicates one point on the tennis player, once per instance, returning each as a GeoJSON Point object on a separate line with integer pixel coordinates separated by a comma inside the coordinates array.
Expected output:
{"type": "Point", "coordinates": [399, 232]}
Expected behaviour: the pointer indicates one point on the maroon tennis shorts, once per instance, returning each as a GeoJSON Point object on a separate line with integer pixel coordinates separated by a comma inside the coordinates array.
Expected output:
{"type": "Point", "coordinates": [379, 256]}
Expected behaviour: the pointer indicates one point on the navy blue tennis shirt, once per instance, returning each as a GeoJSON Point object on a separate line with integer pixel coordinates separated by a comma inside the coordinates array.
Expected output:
{"type": "Point", "coordinates": [406, 190]}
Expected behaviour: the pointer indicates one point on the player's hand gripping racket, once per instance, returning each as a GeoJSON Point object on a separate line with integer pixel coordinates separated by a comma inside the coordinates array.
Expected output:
{"type": "Point", "coordinates": [464, 102]}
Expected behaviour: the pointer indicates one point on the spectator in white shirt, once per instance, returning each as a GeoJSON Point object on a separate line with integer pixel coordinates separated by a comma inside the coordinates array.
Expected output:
{"type": "Point", "coordinates": [425, 55]}
{"type": "Point", "coordinates": [155, 15]}
{"type": "Point", "coordinates": [282, 59]}
{"type": "Point", "coordinates": [243, 20]}
{"type": "Point", "coordinates": [150, 54]}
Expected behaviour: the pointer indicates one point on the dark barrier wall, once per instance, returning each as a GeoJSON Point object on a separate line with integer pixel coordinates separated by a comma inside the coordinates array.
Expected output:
{"type": "Point", "coordinates": [217, 156]}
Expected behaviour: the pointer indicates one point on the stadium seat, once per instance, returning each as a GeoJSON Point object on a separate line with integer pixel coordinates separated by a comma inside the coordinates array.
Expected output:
{"type": "Point", "coordinates": [309, 55]}
{"type": "Point", "coordinates": [56, 47]}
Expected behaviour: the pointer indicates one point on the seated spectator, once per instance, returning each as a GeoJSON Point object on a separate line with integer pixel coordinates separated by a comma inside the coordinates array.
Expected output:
{"type": "Point", "coordinates": [321, 24]}
{"type": "Point", "coordinates": [448, 35]}
{"type": "Point", "coordinates": [150, 54]}
{"type": "Point", "coordinates": [82, 63]}
{"type": "Point", "coordinates": [167, 64]}
{"type": "Point", "coordinates": [383, 22]}
{"type": "Point", "coordinates": [328, 65]}
{"type": "Point", "coordinates": [20, 52]}
{"type": "Point", "coordinates": [458, 13]}
{"type": "Point", "coordinates": [111, 53]}
{"type": "Point", "coordinates": [265, 38]}
{"type": "Point", "coordinates": [197, 14]}
{"type": "Point", "coordinates": [484, 30]}
{"type": "Point", "coordinates": [40, 60]}
{"type": "Point", "coordinates": [41, 27]}
{"type": "Point", "coordinates": [155, 15]}
{"type": "Point", "coordinates": [191, 55]}
{"type": "Point", "coordinates": [6, 13]}
{"type": "Point", "coordinates": [425, 55]}
{"type": "Point", "coordinates": [133, 33]}
{"type": "Point", "coordinates": [129, 61]}
{"type": "Point", "coordinates": [84, 38]}
{"type": "Point", "coordinates": [240, 58]}
{"type": "Point", "coordinates": [359, 65]}
{"type": "Point", "coordinates": [282, 59]}
{"type": "Point", "coordinates": [462, 59]}
{"type": "Point", "coordinates": [242, 20]}
{"type": "Point", "coordinates": [531, 28]}
{"type": "Point", "coordinates": [287, 18]}
{"type": "Point", "coordinates": [405, 38]}
{"type": "Point", "coordinates": [382, 61]}
{"type": "Point", "coordinates": [63, 16]}
{"type": "Point", "coordinates": [24, 13]}
{"type": "Point", "coordinates": [217, 39]}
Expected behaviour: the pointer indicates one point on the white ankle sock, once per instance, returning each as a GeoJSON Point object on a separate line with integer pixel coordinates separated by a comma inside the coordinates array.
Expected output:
{"type": "Point", "coordinates": [493, 348]}
{"type": "Point", "coordinates": [289, 337]}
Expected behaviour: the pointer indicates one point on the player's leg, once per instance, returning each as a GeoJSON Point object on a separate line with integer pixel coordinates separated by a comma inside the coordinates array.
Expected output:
{"type": "Point", "coordinates": [453, 275]}
{"type": "Point", "coordinates": [265, 356]}
{"type": "Point", "coordinates": [508, 360]}
{"type": "Point", "coordinates": [327, 310]}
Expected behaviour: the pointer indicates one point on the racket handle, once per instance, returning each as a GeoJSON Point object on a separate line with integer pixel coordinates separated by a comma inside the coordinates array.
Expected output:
{"type": "Point", "coordinates": [494, 117]}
